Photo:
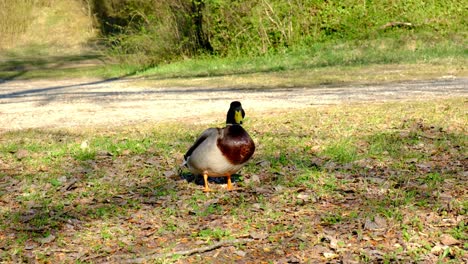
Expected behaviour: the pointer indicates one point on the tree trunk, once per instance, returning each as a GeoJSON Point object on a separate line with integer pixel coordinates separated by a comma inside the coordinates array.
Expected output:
{"type": "Point", "coordinates": [197, 18]}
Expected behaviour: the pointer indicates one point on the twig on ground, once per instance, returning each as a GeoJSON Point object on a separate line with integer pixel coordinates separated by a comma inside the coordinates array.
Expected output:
{"type": "Point", "coordinates": [70, 185]}
{"type": "Point", "coordinates": [188, 252]}
{"type": "Point", "coordinates": [30, 228]}
{"type": "Point", "coordinates": [397, 24]}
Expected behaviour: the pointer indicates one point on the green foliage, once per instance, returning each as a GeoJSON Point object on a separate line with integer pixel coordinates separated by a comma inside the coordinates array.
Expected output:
{"type": "Point", "coordinates": [343, 151]}
{"type": "Point", "coordinates": [215, 233]}
{"type": "Point", "coordinates": [460, 231]}
{"type": "Point", "coordinates": [84, 155]}
{"type": "Point", "coordinates": [153, 32]}
{"type": "Point", "coordinates": [331, 219]}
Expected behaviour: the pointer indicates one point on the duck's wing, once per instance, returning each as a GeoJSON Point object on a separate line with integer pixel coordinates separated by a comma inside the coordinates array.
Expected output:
{"type": "Point", "coordinates": [210, 132]}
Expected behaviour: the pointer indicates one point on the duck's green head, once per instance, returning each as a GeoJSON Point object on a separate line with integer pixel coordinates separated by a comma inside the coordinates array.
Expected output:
{"type": "Point", "coordinates": [236, 114]}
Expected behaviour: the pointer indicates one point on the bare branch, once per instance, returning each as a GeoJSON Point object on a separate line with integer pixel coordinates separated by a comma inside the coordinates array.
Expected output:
{"type": "Point", "coordinates": [188, 252]}
{"type": "Point", "coordinates": [397, 24]}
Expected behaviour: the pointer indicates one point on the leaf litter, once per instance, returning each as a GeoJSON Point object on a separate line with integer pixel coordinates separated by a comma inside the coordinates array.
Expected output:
{"type": "Point", "coordinates": [135, 207]}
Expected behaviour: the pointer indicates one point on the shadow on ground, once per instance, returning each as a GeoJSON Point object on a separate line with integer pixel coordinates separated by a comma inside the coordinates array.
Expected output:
{"type": "Point", "coordinates": [14, 66]}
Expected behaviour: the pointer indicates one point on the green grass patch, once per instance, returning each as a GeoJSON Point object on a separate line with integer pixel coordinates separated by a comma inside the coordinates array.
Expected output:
{"type": "Point", "coordinates": [342, 152]}
{"type": "Point", "coordinates": [334, 62]}
{"type": "Point", "coordinates": [335, 54]}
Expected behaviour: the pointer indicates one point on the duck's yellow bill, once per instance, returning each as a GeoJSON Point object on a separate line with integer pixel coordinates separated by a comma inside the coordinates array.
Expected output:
{"type": "Point", "coordinates": [238, 117]}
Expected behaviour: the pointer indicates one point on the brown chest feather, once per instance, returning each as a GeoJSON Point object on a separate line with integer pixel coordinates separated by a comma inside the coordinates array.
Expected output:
{"type": "Point", "coordinates": [236, 144]}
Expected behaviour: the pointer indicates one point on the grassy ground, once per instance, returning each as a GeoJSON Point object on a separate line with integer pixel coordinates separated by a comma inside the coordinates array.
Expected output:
{"type": "Point", "coordinates": [54, 26]}
{"type": "Point", "coordinates": [296, 69]}
{"type": "Point", "coordinates": [338, 62]}
{"type": "Point", "coordinates": [358, 183]}
{"type": "Point", "coordinates": [314, 77]}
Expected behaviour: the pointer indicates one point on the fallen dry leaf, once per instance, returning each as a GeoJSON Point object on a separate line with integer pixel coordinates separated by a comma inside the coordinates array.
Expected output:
{"type": "Point", "coordinates": [240, 253]}
{"type": "Point", "coordinates": [437, 249]}
{"type": "Point", "coordinates": [170, 174]}
{"type": "Point", "coordinates": [264, 163]}
{"type": "Point", "coordinates": [255, 178]}
{"type": "Point", "coordinates": [21, 154]}
{"type": "Point", "coordinates": [330, 255]}
{"type": "Point", "coordinates": [258, 235]}
{"type": "Point", "coordinates": [46, 239]}
{"type": "Point", "coordinates": [318, 249]}
{"type": "Point", "coordinates": [303, 196]}
{"type": "Point", "coordinates": [84, 145]}
{"type": "Point", "coordinates": [448, 240]}
{"type": "Point", "coordinates": [332, 240]}
{"type": "Point", "coordinates": [378, 223]}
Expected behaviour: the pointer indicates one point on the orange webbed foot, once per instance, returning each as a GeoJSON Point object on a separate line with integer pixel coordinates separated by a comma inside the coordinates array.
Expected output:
{"type": "Point", "coordinates": [205, 179]}
{"type": "Point", "coordinates": [229, 183]}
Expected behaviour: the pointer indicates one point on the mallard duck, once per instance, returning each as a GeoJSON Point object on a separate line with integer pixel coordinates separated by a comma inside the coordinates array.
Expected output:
{"type": "Point", "coordinates": [220, 152]}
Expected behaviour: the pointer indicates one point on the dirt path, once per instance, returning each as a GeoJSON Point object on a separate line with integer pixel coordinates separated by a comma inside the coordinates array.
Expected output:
{"type": "Point", "coordinates": [72, 103]}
